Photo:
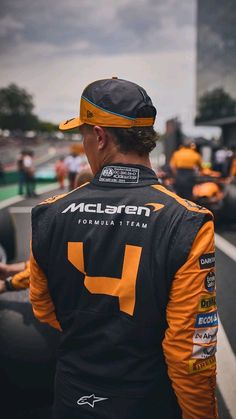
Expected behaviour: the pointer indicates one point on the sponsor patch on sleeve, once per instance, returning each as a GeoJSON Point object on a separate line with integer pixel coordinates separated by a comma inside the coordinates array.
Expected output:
{"type": "Point", "coordinates": [203, 336]}
{"type": "Point", "coordinates": [206, 319]}
{"type": "Point", "coordinates": [196, 365]}
{"type": "Point", "coordinates": [203, 352]}
{"type": "Point", "coordinates": [210, 281]}
{"type": "Point", "coordinates": [206, 302]}
{"type": "Point", "coordinates": [207, 260]}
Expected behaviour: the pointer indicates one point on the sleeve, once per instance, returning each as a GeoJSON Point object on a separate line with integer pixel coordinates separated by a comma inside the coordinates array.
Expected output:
{"type": "Point", "coordinates": [190, 340]}
{"type": "Point", "coordinates": [20, 281]}
{"type": "Point", "coordinates": [40, 298]}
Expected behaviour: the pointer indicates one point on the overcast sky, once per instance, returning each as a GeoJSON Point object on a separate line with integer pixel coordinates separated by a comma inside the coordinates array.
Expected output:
{"type": "Point", "coordinates": [54, 48]}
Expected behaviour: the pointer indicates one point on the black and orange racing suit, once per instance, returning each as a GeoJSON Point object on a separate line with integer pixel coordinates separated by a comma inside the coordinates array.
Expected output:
{"type": "Point", "coordinates": [125, 269]}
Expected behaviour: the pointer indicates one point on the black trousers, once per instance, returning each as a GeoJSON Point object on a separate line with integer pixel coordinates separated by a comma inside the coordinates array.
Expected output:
{"type": "Point", "coordinates": [70, 403]}
{"type": "Point", "coordinates": [184, 182]}
{"type": "Point", "coordinates": [116, 408]}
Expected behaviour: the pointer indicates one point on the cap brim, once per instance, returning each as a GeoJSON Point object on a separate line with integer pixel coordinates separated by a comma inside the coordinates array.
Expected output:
{"type": "Point", "coordinates": [70, 124]}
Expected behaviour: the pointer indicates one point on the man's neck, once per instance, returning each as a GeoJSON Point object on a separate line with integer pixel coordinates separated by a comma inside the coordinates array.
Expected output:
{"type": "Point", "coordinates": [128, 158]}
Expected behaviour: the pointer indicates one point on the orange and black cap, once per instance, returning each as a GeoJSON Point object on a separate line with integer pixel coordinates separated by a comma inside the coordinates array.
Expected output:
{"type": "Point", "coordinates": [113, 103]}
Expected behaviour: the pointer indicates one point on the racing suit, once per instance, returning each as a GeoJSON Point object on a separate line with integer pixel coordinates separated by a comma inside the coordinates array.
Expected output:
{"type": "Point", "coordinates": [125, 269]}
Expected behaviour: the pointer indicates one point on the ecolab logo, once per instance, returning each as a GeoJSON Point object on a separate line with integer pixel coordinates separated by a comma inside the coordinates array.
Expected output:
{"type": "Point", "coordinates": [207, 319]}
{"type": "Point", "coordinates": [108, 209]}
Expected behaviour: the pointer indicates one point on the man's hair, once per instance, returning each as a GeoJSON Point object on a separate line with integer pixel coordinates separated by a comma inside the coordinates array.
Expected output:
{"type": "Point", "coordinates": [141, 140]}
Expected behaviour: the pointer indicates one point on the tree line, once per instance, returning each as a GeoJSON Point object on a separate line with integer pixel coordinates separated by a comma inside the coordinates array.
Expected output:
{"type": "Point", "coordinates": [215, 104]}
{"type": "Point", "coordinates": [16, 111]}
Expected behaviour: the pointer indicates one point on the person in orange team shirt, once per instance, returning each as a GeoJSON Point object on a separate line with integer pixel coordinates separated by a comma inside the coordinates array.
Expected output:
{"type": "Point", "coordinates": [185, 163]}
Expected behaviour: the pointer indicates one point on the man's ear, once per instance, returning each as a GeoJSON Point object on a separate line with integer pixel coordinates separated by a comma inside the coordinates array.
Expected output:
{"type": "Point", "coordinates": [100, 136]}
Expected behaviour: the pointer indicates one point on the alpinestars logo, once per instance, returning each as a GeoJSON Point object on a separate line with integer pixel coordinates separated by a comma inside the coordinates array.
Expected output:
{"type": "Point", "coordinates": [90, 400]}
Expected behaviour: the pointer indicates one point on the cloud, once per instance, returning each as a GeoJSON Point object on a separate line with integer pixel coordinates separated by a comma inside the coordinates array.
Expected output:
{"type": "Point", "coordinates": [57, 84]}
{"type": "Point", "coordinates": [53, 49]}
{"type": "Point", "coordinates": [105, 26]}
{"type": "Point", "coordinates": [8, 25]}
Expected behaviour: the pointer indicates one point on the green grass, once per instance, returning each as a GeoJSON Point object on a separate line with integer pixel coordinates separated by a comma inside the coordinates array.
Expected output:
{"type": "Point", "coordinates": [10, 191]}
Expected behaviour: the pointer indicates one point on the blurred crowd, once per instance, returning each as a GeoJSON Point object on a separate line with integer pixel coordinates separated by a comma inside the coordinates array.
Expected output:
{"type": "Point", "coordinates": [71, 167]}
{"type": "Point", "coordinates": [185, 174]}
{"type": "Point", "coordinates": [15, 276]}
{"type": "Point", "coordinates": [186, 169]}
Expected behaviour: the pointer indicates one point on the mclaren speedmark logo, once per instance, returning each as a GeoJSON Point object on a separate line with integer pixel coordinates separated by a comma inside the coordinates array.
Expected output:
{"type": "Point", "coordinates": [99, 208]}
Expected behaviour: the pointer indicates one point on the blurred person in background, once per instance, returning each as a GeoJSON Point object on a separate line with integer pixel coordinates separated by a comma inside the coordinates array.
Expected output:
{"type": "Point", "coordinates": [2, 174]}
{"type": "Point", "coordinates": [124, 269]}
{"type": "Point", "coordinates": [166, 176]}
{"type": "Point", "coordinates": [16, 276]}
{"type": "Point", "coordinates": [85, 175]}
{"type": "Point", "coordinates": [29, 171]}
{"type": "Point", "coordinates": [227, 165]}
{"type": "Point", "coordinates": [220, 157]}
{"type": "Point", "coordinates": [185, 163]}
{"type": "Point", "coordinates": [21, 173]}
{"type": "Point", "coordinates": [233, 163]}
{"type": "Point", "coordinates": [61, 171]}
{"type": "Point", "coordinates": [73, 164]}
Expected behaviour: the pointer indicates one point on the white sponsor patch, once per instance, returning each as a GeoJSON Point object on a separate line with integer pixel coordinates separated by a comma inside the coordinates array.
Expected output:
{"type": "Point", "coordinates": [205, 335]}
{"type": "Point", "coordinates": [202, 352]}
{"type": "Point", "coordinates": [117, 174]}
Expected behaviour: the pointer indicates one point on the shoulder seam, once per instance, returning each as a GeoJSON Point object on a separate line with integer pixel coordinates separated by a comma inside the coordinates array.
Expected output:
{"type": "Point", "coordinates": [189, 205]}
{"type": "Point", "coordinates": [55, 198]}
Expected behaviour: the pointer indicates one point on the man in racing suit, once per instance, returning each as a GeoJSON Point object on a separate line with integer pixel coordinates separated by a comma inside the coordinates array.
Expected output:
{"type": "Point", "coordinates": [125, 270]}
